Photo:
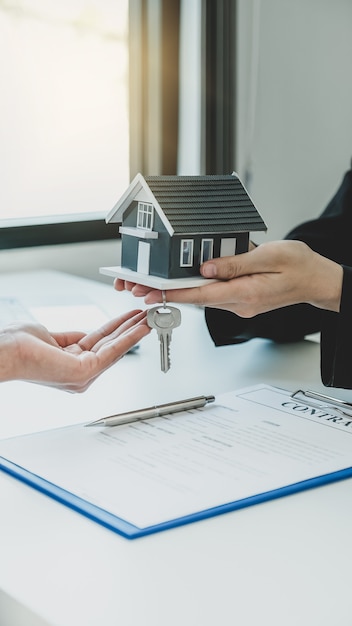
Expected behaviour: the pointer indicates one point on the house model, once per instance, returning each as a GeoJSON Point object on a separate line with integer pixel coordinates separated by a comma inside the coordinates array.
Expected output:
{"type": "Point", "coordinates": [172, 224]}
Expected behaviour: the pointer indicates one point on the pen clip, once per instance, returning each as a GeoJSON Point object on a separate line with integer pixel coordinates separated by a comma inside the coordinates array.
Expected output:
{"type": "Point", "coordinates": [313, 398]}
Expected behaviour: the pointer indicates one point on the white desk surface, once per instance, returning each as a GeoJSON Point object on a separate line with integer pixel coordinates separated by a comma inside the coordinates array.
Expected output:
{"type": "Point", "coordinates": [281, 563]}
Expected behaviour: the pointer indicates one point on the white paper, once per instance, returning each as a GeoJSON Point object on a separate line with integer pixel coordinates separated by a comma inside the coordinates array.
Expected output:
{"type": "Point", "coordinates": [248, 442]}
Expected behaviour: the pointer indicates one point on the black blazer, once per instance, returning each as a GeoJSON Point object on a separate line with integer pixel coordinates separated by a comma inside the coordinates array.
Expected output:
{"type": "Point", "coordinates": [330, 235]}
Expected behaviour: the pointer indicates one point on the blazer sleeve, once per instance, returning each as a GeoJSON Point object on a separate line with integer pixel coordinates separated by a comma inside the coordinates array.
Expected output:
{"type": "Point", "coordinates": [330, 236]}
{"type": "Point", "coordinates": [336, 340]}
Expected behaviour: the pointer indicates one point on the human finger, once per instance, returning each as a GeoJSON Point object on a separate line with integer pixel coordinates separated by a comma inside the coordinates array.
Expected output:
{"type": "Point", "coordinates": [112, 350]}
{"type": "Point", "coordinates": [119, 284]}
{"type": "Point", "coordinates": [95, 362]}
{"type": "Point", "coordinates": [67, 338]}
{"type": "Point", "coordinates": [269, 257]}
{"type": "Point", "coordinates": [126, 327]}
{"type": "Point", "coordinates": [123, 285]}
{"type": "Point", "coordinates": [226, 268]}
{"type": "Point", "coordinates": [242, 291]}
{"type": "Point", "coordinates": [190, 295]}
{"type": "Point", "coordinates": [140, 291]}
{"type": "Point", "coordinates": [75, 373]}
{"type": "Point", "coordinates": [111, 329]}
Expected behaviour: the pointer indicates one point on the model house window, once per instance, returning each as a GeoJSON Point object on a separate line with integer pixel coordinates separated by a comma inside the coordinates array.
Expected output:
{"type": "Point", "coordinates": [206, 251]}
{"type": "Point", "coordinates": [145, 216]}
{"type": "Point", "coordinates": [186, 256]}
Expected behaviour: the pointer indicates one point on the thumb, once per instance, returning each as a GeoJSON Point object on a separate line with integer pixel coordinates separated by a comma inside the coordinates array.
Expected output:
{"type": "Point", "coordinates": [271, 257]}
{"type": "Point", "coordinates": [225, 268]}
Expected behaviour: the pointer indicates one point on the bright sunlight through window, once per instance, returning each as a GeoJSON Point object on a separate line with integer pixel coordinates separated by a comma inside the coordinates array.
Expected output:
{"type": "Point", "coordinates": [64, 144]}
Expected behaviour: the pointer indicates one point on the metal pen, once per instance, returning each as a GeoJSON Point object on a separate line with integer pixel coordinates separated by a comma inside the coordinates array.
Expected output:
{"type": "Point", "coordinates": [153, 411]}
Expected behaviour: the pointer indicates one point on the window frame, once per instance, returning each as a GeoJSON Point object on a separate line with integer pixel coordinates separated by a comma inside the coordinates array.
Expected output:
{"type": "Point", "coordinates": [37, 232]}
{"type": "Point", "coordinates": [145, 215]}
{"type": "Point", "coordinates": [191, 252]}
{"type": "Point", "coordinates": [206, 240]}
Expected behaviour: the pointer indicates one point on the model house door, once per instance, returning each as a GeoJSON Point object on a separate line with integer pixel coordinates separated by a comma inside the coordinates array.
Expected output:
{"type": "Point", "coordinates": [228, 246]}
{"type": "Point", "coordinates": [143, 257]}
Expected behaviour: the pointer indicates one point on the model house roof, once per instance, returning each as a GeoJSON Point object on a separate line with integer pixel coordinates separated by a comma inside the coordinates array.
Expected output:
{"type": "Point", "coordinates": [194, 204]}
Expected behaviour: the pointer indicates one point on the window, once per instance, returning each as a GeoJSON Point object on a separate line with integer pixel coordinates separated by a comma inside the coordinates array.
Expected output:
{"type": "Point", "coordinates": [206, 251]}
{"type": "Point", "coordinates": [186, 255]}
{"type": "Point", "coordinates": [145, 216]}
{"type": "Point", "coordinates": [228, 246]}
{"type": "Point", "coordinates": [64, 128]}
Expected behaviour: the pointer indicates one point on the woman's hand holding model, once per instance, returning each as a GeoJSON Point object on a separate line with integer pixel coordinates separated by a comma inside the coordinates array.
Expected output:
{"type": "Point", "coordinates": [270, 276]}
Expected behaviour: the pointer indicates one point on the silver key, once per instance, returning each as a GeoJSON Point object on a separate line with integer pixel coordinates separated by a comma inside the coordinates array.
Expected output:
{"type": "Point", "coordinates": [164, 319]}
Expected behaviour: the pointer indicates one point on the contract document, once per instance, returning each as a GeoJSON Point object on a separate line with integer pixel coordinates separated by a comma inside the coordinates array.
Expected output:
{"type": "Point", "coordinates": [249, 446]}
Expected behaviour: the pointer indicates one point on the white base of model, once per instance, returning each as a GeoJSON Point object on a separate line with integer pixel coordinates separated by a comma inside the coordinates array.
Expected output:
{"type": "Point", "coordinates": [154, 281]}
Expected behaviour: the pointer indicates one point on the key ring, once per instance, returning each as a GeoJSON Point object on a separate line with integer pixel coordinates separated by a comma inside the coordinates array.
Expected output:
{"type": "Point", "coordinates": [163, 295]}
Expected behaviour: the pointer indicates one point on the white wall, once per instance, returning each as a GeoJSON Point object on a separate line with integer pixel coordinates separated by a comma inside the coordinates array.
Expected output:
{"type": "Point", "coordinates": [300, 137]}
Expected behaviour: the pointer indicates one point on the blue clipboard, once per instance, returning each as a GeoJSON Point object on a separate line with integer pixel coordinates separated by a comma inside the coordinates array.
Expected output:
{"type": "Point", "coordinates": [128, 530]}
{"type": "Point", "coordinates": [19, 459]}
